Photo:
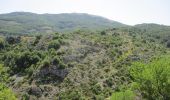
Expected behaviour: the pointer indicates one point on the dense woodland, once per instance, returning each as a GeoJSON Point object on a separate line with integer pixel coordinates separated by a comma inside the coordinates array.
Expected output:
{"type": "Point", "coordinates": [122, 63]}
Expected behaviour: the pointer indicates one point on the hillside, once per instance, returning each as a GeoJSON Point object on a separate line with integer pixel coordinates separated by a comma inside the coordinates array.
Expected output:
{"type": "Point", "coordinates": [129, 62]}
{"type": "Point", "coordinates": [25, 23]}
{"type": "Point", "coordinates": [82, 57]}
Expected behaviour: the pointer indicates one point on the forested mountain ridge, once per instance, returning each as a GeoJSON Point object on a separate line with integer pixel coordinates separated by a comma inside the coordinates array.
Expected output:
{"type": "Point", "coordinates": [25, 22]}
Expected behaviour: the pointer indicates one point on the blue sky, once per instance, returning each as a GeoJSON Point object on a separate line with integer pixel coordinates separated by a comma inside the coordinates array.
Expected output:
{"type": "Point", "coordinates": [126, 11]}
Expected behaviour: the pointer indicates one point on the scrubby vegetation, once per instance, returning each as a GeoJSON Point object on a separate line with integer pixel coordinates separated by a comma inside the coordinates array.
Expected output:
{"type": "Point", "coordinates": [152, 79]}
{"type": "Point", "coordinates": [118, 64]}
{"type": "Point", "coordinates": [5, 92]}
{"type": "Point", "coordinates": [126, 95]}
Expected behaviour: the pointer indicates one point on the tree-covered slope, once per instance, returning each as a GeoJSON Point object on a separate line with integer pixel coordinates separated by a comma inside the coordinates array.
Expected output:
{"type": "Point", "coordinates": [24, 22]}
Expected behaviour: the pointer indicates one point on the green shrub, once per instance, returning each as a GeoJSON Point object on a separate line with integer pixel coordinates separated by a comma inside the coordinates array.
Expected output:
{"type": "Point", "coordinates": [99, 97]}
{"type": "Point", "coordinates": [71, 95]}
{"type": "Point", "coordinates": [54, 44]}
{"type": "Point", "coordinates": [56, 36]}
{"type": "Point", "coordinates": [153, 78]}
{"type": "Point", "coordinates": [29, 71]}
{"type": "Point", "coordinates": [2, 44]}
{"type": "Point", "coordinates": [56, 60]}
{"type": "Point", "coordinates": [9, 58]}
{"type": "Point", "coordinates": [62, 65]}
{"type": "Point", "coordinates": [96, 89]}
{"type": "Point", "coordinates": [13, 40]}
{"type": "Point", "coordinates": [45, 63]}
{"type": "Point", "coordinates": [126, 95]}
{"type": "Point", "coordinates": [109, 82]}
{"type": "Point", "coordinates": [3, 74]}
{"type": "Point", "coordinates": [6, 94]}
{"type": "Point", "coordinates": [26, 59]}
{"type": "Point", "coordinates": [37, 39]}
{"type": "Point", "coordinates": [18, 62]}
{"type": "Point", "coordinates": [168, 44]}
{"type": "Point", "coordinates": [103, 33]}
{"type": "Point", "coordinates": [25, 97]}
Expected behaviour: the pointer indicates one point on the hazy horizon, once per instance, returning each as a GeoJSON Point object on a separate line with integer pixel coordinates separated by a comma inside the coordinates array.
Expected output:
{"type": "Point", "coordinates": [129, 12]}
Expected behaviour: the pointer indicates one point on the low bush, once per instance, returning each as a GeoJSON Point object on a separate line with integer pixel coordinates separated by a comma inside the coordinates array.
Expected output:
{"type": "Point", "coordinates": [126, 95]}
{"type": "Point", "coordinates": [13, 40]}
{"type": "Point", "coordinates": [3, 74]}
{"type": "Point", "coordinates": [54, 44]}
{"type": "Point", "coordinates": [45, 63]}
{"type": "Point", "coordinates": [58, 62]}
{"type": "Point", "coordinates": [37, 39]}
{"type": "Point", "coordinates": [26, 59]}
{"type": "Point", "coordinates": [70, 95]}
{"type": "Point", "coordinates": [153, 79]}
{"type": "Point", "coordinates": [96, 89]}
{"type": "Point", "coordinates": [2, 44]}
{"type": "Point", "coordinates": [168, 44]}
{"type": "Point", "coordinates": [103, 33]}
{"type": "Point", "coordinates": [6, 94]}
{"type": "Point", "coordinates": [18, 62]}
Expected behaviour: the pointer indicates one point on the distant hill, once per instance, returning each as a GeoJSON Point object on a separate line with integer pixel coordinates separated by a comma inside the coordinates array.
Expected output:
{"type": "Point", "coordinates": [25, 22]}
{"type": "Point", "coordinates": [152, 26]}
{"type": "Point", "coordinates": [154, 29]}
